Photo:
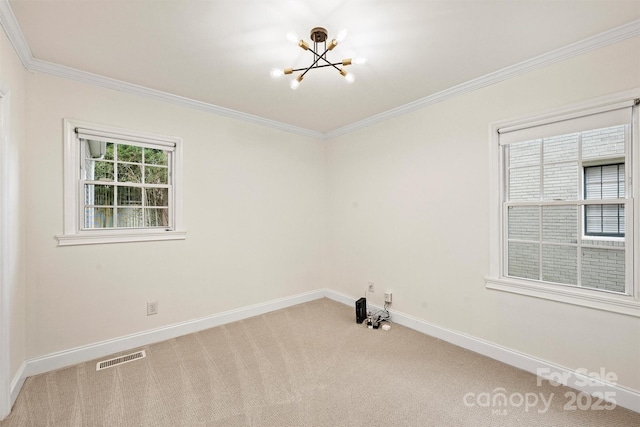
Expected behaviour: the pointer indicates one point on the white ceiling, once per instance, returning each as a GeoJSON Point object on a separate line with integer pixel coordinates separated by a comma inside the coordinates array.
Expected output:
{"type": "Point", "coordinates": [221, 52]}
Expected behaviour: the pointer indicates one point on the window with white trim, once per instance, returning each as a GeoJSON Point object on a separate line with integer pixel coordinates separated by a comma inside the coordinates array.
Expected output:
{"type": "Point", "coordinates": [565, 207]}
{"type": "Point", "coordinates": [120, 186]}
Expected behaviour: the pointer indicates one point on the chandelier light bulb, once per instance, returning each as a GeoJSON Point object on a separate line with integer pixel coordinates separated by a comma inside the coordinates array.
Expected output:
{"type": "Point", "coordinates": [359, 61]}
{"type": "Point", "coordinates": [296, 82]}
{"type": "Point", "coordinates": [277, 72]}
{"type": "Point", "coordinates": [348, 77]}
{"type": "Point", "coordinates": [293, 37]}
{"type": "Point", "coordinates": [342, 34]}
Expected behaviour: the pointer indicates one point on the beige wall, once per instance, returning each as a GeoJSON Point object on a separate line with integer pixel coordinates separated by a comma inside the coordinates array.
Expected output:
{"type": "Point", "coordinates": [403, 203]}
{"type": "Point", "coordinates": [254, 210]}
{"type": "Point", "coordinates": [12, 79]}
{"type": "Point", "coordinates": [409, 209]}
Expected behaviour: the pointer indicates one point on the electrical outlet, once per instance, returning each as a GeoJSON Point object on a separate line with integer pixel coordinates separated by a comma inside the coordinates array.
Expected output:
{"type": "Point", "coordinates": [387, 297]}
{"type": "Point", "coordinates": [372, 287]}
{"type": "Point", "coordinates": [152, 308]}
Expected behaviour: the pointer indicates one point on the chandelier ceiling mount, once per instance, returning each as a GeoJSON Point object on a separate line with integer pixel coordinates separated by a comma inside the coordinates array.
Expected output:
{"type": "Point", "coordinates": [319, 35]}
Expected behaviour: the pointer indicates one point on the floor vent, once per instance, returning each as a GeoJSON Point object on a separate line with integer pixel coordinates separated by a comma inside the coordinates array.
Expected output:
{"type": "Point", "coordinates": [120, 360]}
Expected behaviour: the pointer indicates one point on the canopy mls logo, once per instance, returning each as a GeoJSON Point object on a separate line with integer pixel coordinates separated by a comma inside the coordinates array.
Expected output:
{"type": "Point", "coordinates": [499, 400]}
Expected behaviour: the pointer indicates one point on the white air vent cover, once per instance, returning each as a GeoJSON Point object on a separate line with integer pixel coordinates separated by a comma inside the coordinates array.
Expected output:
{"type": "Point", "coordinates": [120, 360]}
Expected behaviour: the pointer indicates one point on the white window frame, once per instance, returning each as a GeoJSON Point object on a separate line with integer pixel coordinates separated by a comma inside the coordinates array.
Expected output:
{"type": "Point", "coordinates": [598, 299]}
{"type": "Point", "coordinates": [74, 234]}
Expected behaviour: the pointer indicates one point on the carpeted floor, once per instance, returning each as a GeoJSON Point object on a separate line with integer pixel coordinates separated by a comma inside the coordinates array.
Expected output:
{"type": "Point", "coordinates": [307, 365]}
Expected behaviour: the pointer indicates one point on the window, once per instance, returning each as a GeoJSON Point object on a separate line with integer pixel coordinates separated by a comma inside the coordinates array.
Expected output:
{"type": "Point", "coordinates": [120, 186]}
{"type": "Point", "coordinates": [125, 186]}
{"type": "Point", "coordinates": [604, 182]}
{"type": "Point", "coordinates": [564, 216]}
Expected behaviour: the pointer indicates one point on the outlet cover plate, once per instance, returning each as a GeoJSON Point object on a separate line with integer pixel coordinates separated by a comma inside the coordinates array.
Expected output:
{"type": "Point", "coordinates": [152, 308]}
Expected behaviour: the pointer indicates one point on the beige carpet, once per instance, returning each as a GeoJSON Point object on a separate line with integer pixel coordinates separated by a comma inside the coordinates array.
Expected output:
{"type": "Point", "coordinates": [307, 365]}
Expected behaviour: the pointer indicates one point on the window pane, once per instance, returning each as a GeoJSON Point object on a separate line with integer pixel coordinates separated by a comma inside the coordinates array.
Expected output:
{"type": "Point", "coordinates": [129, 173]}
{"type": "Point", "coordinates": [561, 148]}
{"type": "Point", "coordinates": [561, 181]}
{"type": "Point", "coordinates": [524, 223]}
{"type": "Point", "coordinates": [524, 183]}
{"type": "Point", "coordinates": [592, 182]}
{"type": "Point", "coordinates": [603, 269]}
{"type": "Point", "coordinates": [98, 218]}
{"type": "Point", "coordinates": [524, 153]}
{"type": "Point", "coordinates": [560, 224]}
{"type": "Point", "coordinates": [155, 157]}
{"type": "Point", "coordinates": [98, 170]}
{"type": "Point", "coordinates": [129, 196]}
{"type": "Point", "coordinates": [110, 149]}
{"type": "Point", "coordinates": [604, 182]}
{"type": "Point", "coordinates": [610, 190]}
{"type": "Point", "coordinates": [524, 260]}
{"type": "Point", "coordinates": [129, 217]}
{"type": "Point", "coordinates": [605, 219]}
{"type": "Point", "coordinates": [612, 181]}
{"type": "Point", "coordinates": [593, 219]}
{"type": "Point", "coordinates": [129, 153]}
{"type": "Point", "coordinates": [155, 175]}
{"type": "Point", "coordinates": [157, 217]}
{"type": "Point", "coordinates": [100, 195]}
{"type": "Point", "coordinates": [610, 225]}
{"type": "Point", "coordinates": [560, 264]}
{"type": "Point", "coordinates": [613, 219]}
{"type": "Point", "coordinates": [157, 196]}
{"type": "Point", "coordinates": [610, 211]}
{"type": "Point", "coordinates": [607, 142]}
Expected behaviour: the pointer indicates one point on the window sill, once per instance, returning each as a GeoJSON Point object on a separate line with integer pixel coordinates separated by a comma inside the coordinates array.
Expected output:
{"type": "Point", "coordinates": [97, 238]}
{"type": "Point", "coordinates": [621, 304]}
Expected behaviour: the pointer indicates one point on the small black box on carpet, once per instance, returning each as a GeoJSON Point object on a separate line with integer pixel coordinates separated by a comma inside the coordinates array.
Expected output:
{"type": "Point", "coordinates": [361, 310]}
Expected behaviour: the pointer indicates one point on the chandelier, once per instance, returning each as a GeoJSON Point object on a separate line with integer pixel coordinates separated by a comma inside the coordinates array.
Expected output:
{"type": "Point", "coordinates": [319, 38]}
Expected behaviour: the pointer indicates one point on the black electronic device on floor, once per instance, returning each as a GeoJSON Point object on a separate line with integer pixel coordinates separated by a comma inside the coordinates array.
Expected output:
{"type": "Point", "coordinates": [361, 310]}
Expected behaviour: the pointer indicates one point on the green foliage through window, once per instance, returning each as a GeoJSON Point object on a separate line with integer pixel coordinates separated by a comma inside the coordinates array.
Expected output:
{"type": "Point", "coordinates": [126, 186]}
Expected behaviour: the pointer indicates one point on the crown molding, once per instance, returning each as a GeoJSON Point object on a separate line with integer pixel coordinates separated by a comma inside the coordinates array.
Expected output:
{"type": "Point", "coordinates": [14, 33]}
{"type": "Point", "coordinates": [133, 89]}
{"type": "Point", "coordinates": [606, 38]}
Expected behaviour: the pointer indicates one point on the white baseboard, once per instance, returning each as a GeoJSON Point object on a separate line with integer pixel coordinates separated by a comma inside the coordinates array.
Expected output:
{"type": "Point", "coordinates": [97, 350]}
{"type": "Point", "coordinates": [624, 397]}
{"type": "Point", "coordinates": [17, 382]}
